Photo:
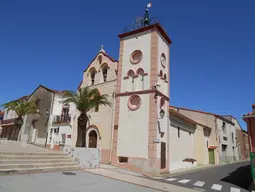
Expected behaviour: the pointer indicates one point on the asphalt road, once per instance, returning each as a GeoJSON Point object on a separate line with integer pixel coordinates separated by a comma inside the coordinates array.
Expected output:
{"type": "Point", "coordinates": [77, 181]}
{"type": "Point", "coordinates": [225, 178]}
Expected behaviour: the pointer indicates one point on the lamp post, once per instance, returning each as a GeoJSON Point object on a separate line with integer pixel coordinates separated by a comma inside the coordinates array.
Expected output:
{"type": "Point", "coordinates": [47, 113]}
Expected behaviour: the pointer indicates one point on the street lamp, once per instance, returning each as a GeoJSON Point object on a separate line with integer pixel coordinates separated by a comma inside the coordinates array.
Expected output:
{"type": "Point", "coordinates": [162, 113]}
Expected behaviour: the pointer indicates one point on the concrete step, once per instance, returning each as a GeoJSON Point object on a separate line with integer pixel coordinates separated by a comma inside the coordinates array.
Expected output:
{"type": "Point", "coordinates": [30, 157]}
{"type": "Point", "coordinates": [33, 161]}
{"type": "Point", "coordinates": [35, 153]}
{"type": "Point", "coordinates": [37, 165]}
{"type": "Point", "coordinates": [10, 171]}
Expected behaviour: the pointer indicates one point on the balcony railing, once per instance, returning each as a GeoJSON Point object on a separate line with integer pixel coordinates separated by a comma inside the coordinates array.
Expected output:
{"type": "Point", "coordinates": [7, 121]}
{"type": "Point", "coordinates": [59, 119]}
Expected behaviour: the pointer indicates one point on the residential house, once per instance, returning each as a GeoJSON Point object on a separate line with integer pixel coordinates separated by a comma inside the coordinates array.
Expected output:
{"type": "Point", "coordinates": [222, 144]}
{"type": "Point", "coordinates": [7, 123]}
{"type": "Point", "coordinates": [1, 118]}
{"type": "Point", "coordinates": [239, 137]}
{"type": "Point", "coordinates": [249, 118]}
{"type": "Point", "coordinates": [62, 119]}
{"type": "Point", "coordinates": [35, 126]}
{"type": "Point", "coordinates": [191, 138]}
{"type": "Point", "coordinates": [245, 146]}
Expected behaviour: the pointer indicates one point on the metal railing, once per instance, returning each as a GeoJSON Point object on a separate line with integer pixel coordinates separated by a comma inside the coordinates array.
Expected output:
{"type": "Point", "coordinates": [61, 119]}
{"type": "Point", "coordinates": [7, 121]}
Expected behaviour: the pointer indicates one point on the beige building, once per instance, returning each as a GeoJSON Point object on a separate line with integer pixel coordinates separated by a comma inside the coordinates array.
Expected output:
{"type": "Point", "coordinates": [222, 143]}
{"type": "Point", "coordinates": [196, 141]}
{"type": "Point", "coordinates": [101, 74]}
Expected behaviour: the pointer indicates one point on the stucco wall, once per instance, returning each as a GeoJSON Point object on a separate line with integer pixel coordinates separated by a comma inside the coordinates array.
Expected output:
{"type": "Point", "coordinates": [142, 43]}
{"type": "Point", "coordinates": [181, 147]}
{"type": "Point", "coordinates": [46, 98]}
{"type": "Point", "coordinates": [9, 115]}
{"type": "Point", "coordinates": [199, 145]}
{"type": "Point", "coordinates": [133, 129]}
{"type": "Point", "coordinates": [209, 121]}
{"type": "Point", "coordinates": [111, 73]}
{"type": "Point", "coordinates": [231, 149]}
{"type": "Point", "coordinates": [66, 128]}
{"type": "Point", "coordinates": [104, 117]}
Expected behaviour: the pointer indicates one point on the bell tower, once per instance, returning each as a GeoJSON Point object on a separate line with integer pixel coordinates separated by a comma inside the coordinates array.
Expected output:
{"type": "Point", "coordinates": [142, 98]}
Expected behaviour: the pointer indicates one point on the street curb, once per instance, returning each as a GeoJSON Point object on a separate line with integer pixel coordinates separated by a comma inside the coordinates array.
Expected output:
{"type": "Point", "coordinates": [166, 189]}
{"type": "Point", "coordinates": [195, 169]}
{"type": "Point", "coordinates": [123, 180]}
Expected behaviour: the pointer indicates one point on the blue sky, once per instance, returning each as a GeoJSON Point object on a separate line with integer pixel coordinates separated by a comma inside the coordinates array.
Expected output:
{"type": "Point", "coordinates": [212, 54]}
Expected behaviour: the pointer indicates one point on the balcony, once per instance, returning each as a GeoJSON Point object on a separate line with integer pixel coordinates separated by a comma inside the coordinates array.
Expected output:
{"type": "Point", "coordinates": [61, 119]}
{"type": "Point", "coordinates": [7, 121]}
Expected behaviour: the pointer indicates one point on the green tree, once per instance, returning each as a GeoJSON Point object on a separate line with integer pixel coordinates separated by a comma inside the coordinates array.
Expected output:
{"type": "Point", "coordinates": [21, 107]}
{"type": "Point", "coordinates": [85, 100]}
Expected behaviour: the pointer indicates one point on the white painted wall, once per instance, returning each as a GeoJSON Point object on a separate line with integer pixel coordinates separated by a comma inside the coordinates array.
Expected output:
{"type": "Point", "coordinates": [164, 48]}
{"type": "Point", "coordinates": [10, 114]}
{"type": "Point", "coordinates": [230, 144]}
{"type": "Point", "coordinates": [132, 43]}
{"type": "Point", "coordinates": [63, 129]}
{"type": "Point", "coordinates": [133, 129]}
{"type": "Point", "coordinates": [181, 147]}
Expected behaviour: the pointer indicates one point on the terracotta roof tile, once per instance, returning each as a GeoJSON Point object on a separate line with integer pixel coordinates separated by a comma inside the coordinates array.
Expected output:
{"type": "Point", "coordinates": [186, 118]}
{"type": "Point", "coordinates": [208, 113]}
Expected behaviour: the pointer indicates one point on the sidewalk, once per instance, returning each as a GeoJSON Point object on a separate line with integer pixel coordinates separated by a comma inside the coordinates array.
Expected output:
{"type": "Point", "coordinates": [193, 169]}
{"type": "Point", "coordinates": [129, 177]}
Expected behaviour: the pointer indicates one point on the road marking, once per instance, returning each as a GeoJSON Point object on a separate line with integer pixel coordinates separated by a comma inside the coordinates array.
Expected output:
{"type": "Point", "coordinates": [184, 181]}
{"type": "Point", "coordinates": [232, 189]}
{"type": "Point", "coordinates": [216, 187]}
{"type": "Point", "coordinates": [198, 189]}
{"type": "Point", "coordinates": [170, 179]}
{"type": "Point", "coordinates": [199, 183]}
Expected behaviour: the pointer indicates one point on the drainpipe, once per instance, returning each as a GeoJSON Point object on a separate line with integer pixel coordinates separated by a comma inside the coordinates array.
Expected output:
{"type": "Point", "coordinates": [217, 138]}
{"type": "Point", "coordinates": [112, 124]}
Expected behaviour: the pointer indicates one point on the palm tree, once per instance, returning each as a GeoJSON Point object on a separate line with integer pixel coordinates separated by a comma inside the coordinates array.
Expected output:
{"type": "Point", "coordinates": [21, 107]}
{"type": "Point", "coordinates": [85, 100]}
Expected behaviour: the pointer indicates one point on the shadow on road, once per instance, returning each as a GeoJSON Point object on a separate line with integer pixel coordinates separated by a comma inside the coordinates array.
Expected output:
{"type": "Point", "coordinates": [240, 177]}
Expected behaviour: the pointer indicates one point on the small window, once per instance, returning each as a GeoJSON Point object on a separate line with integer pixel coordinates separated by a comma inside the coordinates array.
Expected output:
{"type": "Point", "coordinates": [232, 137]}
{"type": "Point", "coordinates": [97, 108]}
{"type": "Point", "coordinates": [179, 132]}
{"type": "Point", "coordinates": [104, 71]}
{"type": "Point", "coordinates": [99, 59]}
{"type": "Point", "coordinates": [136, 56]}
{"type": "Point", "coordinates": [123, 159]}
{"type": "Point", "coordinates": [92, 74]}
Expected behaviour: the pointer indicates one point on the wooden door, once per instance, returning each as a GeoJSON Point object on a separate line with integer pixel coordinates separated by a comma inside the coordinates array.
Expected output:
{"type": "Point", "coordinates": [163, 155]}
{"type": "Point", "coordinates": [211, 156]}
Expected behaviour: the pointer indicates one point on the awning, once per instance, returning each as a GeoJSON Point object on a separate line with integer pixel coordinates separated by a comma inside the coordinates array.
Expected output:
{"type": "Point", "coordinates": [212, 146]}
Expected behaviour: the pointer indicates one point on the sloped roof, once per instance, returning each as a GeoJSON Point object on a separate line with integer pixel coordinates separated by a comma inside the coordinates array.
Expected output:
{"type": "Point", "coordinates": [207, 113]}
{"type": "Point", "coordinates": [187, 118]}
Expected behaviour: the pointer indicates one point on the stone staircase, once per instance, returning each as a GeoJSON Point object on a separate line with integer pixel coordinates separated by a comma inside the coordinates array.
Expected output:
{"type": "Point", "coordinates": [18, 157]}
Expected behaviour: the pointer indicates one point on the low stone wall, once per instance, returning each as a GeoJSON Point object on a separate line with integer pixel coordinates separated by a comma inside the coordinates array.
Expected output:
{"type": "Point", "coordinates": [84, 157]}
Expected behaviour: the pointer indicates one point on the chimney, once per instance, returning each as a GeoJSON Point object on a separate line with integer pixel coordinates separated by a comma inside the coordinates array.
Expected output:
{"type": "Point", "coordinates": [253, 108]}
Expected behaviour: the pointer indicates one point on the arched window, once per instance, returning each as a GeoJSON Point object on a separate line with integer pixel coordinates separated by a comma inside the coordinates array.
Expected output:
{"type": "Point", "coordinates": [92, 75]}
{"type": "Point", "coordinates": [161, 73]}
{"type": "Point", "coordinates": [104, 71]}
{"type": "Point", "coordinates": [65, 117]}
{"type": "Point", "coordinates": [99, 59]}
{"type": "Point", "coordinates": [92, 139]}
{"type": "Point", "coordinates": [165, 77]}
{"type": "Point", "coordinates": [140, 72]}
{"type": "Point", "coordinates": [131, 74]}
